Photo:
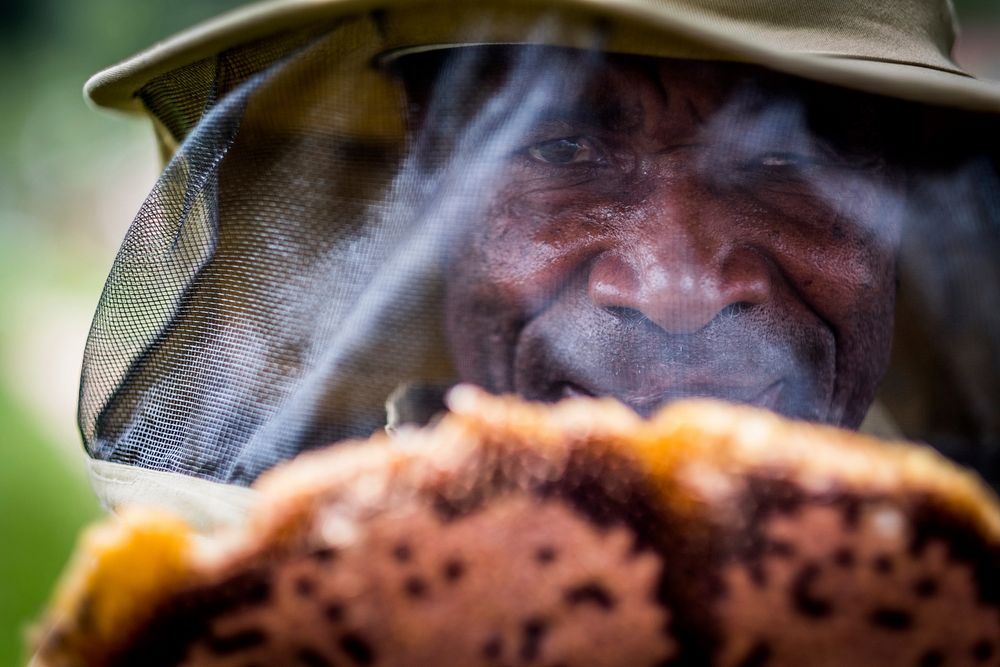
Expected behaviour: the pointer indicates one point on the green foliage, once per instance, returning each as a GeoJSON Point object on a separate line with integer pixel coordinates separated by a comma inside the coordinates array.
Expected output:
{"type": "Point", "coordinates": [55, 148]}
{"type": "Point", "coordinates": [43, 503]}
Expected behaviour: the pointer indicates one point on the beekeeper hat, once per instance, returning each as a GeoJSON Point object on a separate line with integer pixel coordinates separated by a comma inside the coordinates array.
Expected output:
{"type": "Point", "coordinates": [228, 335]}
{"type": "Point", "coordinates": [899, 48]}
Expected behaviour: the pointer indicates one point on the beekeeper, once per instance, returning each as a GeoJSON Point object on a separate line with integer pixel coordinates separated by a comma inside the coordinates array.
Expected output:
{"type": "Point", "coordinates": [788, 204]}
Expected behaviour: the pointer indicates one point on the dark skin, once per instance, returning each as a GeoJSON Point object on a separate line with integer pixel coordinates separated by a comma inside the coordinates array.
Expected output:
{"type": "Point", "coordinates": [663, 228]}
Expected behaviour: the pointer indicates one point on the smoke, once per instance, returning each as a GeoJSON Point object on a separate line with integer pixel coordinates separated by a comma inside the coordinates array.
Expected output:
{"type": "Point", "coordinates": [398, 259]}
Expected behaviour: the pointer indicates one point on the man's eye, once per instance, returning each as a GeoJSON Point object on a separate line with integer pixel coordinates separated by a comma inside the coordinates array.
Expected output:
{"type": "Point", "coordinates": [778, 160]}
{"type": "Point", "coordinates": [573, 150]}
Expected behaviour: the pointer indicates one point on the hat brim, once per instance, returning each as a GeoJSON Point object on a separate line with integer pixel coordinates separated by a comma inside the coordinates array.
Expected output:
{"type": "Point", "coordinates": [662, 32]}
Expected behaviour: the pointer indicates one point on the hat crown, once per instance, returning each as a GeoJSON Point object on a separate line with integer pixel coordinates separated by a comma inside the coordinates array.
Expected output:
{"type": "Point", "coordinates": [897, 48]}
{"type": "Point", "coordinates": [919, 32]}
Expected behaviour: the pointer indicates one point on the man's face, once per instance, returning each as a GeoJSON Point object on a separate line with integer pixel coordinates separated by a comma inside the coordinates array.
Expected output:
{"type": "Point", "coordinates": [669, 229]}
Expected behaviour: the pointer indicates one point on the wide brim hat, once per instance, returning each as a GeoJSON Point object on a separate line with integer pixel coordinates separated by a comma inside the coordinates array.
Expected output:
{"type": "Point", "coordinates": [897, 48]}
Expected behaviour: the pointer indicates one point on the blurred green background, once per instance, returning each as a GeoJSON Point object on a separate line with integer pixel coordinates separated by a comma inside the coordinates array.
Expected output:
{"type": "Point", "coordinates": [70, 180]}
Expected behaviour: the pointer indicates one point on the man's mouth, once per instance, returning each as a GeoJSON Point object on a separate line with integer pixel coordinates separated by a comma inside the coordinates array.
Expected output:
{"type": "Point", "coordinates": [737, 360]}
{"type": "Point", "coordinates": [647, 402]}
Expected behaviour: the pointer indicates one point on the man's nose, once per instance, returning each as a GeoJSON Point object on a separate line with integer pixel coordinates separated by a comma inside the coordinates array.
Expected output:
{"type": "Point", "coordinates": [678, 277]}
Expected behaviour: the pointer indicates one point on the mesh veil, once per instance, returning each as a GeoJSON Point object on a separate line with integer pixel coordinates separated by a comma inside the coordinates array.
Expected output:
{"type": "Point", "coordinates": [285, 275]}
{"type": "Point", "coordinates": [244, 255]}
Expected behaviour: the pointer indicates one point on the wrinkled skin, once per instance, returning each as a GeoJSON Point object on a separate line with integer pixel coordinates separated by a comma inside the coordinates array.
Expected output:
{"type": "Point", "coordinates": [672, 228]}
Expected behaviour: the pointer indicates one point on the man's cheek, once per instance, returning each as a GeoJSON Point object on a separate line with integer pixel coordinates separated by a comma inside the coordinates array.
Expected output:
{"type": "Point", "coordinates": [856, 281]}
{"type": "Point", "coordinates": [524, 260]}
{"type": "Point", "coordinates": [867, 206]}
{"type": "Point", "coordinates": [481, 329]}
{"type": "Point", "coordinates": [835, 262]}
{"type": "Point", "coordinates": [858, 304]}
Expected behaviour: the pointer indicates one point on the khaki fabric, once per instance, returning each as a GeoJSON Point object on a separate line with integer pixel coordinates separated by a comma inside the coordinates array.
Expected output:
{"type": "Point", "coordinates": [204, 504]}
{"type": "Point", "coordinates": [898, 48]}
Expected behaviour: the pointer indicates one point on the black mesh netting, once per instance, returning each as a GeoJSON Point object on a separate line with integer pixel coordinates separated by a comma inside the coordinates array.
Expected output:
{"type": "Point", "coordinates": [322, 235]}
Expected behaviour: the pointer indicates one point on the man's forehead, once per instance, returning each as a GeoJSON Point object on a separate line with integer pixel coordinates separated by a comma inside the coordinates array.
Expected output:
{"type": "Point", "coordinates": [619, 92]}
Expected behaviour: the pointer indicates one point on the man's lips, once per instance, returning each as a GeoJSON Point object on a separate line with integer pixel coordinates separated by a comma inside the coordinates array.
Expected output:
{"type": "Point", "coordinates": [765, 395]}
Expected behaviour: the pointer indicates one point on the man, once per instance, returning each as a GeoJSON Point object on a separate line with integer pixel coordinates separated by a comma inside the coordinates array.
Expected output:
{"type": "Point", "coordinates": [642, 201]}
{"type": "Point", "coordinates": [671, 228]}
